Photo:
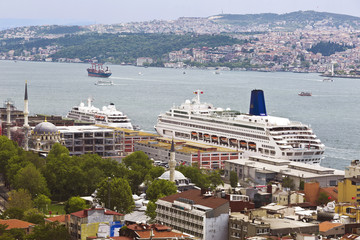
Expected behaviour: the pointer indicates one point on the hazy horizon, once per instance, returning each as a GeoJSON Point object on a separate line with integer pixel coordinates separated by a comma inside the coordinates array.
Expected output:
{"type": "Point", "coordinates": [112, 11]}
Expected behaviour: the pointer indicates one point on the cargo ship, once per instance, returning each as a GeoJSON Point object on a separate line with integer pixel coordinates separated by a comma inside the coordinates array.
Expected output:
{"type": "Point", "coordinates": [97, 70]}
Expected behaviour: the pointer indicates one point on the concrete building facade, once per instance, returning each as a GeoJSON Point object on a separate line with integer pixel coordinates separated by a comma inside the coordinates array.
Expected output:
{"type": "Point", "coordinates": [187, 153]}
{"type": "Point", "coordinates": [191, 212]}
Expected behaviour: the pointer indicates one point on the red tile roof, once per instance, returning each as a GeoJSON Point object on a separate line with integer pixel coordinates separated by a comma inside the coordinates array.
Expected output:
{"type": "Point", "coordinates": [158, 235]}
{"type": "Point", "coordinates": [60, 218]}
{"type": "Point", "coordinates": [16, 223]}
{"type": "Point", "coordinates": [326, 226]}
{"type": "Point", "coordinates": [84, 213]}
{"type": "Point", "coordinates": [195, 195]}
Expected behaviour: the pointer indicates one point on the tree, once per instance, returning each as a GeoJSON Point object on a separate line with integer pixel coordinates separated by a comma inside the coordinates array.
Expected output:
{"type": "Point", "coordinates": [151, 211]}
{"type": "Point", "coordinates": [34, 216]}
{"type": "Point", "coordinates": [53, 231]}
{"type": "Point", "coordinates": [75, 204]}
{"type": "Point", "coordinates": [215, 179]}
{"type": "Point", "coordinates": [160, 188]}
{"type": "Point", "coordinates": [287, 182]}
{"type": "Point", "coordinates": [31, 179]}
{"type": "Point", "coordinates": [196, 175]}
{"type": "Point", "coordinates": [20, 199]}
{"type": "Point", "coordinates": [117, 191]}
{"type": "Point", "coordinates": [8, 149]}
{"type": "Point", "coordinates": [16, 233]}
{"type": "Point", "coordinates": [323, 198]}
{"type": "Point", "coordinates": [233, 179]}
{"type": "Point", "coordinates": [13, 213]}
{"type": "Point", "coordinates": [41, 202]}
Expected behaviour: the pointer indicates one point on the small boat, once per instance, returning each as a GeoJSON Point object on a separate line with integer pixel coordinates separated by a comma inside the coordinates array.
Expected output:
{"type": "Point", "coordinates": [305, 94]}
{"type": "Point", "coordinates": [233, 142]}
{"type": "Point", "coordinates": [97, 70]}
{"type": "Point", "coordinates": [243, 144]}
{"type": "Point", "coordinates": [252, 145]}
{"type": "Point", "coordinates": [223, 139]}
{"type": "Point", "coordinates": [104, 83]}
{"type": "Point", "coordinates": [214, 138]}
{"type": "Point", "coordinates": [328, 80]}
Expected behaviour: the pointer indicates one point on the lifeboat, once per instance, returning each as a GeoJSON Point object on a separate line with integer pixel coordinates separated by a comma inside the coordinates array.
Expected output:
{"type": "Point", "coordinates": [193, 134]}
{"type": "Point", "coordinates": [252, 145]}
{"type": "Point", "coordinates": [243, 144]}
{"type": "Point", "coordinates": [207, 136]}
{"type": "Point", "coordinates": [233, 142]}
{"type": "Point", "coordinates": [214, 138]}
{"type": "Point", "coordinates": [223, 139]}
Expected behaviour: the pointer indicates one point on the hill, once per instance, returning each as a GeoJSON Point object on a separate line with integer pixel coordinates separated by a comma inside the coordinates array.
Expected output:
{"type": "Point", "coordinates": [289, 21]}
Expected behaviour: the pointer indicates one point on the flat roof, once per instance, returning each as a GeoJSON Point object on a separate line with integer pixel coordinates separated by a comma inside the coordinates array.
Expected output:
{"type": "Point", "coordinates": [295, 169]}
{"type": "Point", "coordinates": [82, 128]}
{"type": "Point", "coordinates": [278, 223]}
{"type": "Point", "coordinates": [186, 146]}
{"type": "Point", "coordinates": [129, 131]}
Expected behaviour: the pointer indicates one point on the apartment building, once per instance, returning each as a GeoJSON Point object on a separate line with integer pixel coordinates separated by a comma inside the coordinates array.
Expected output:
{"type": "Point", "coordinates": [196, 213]}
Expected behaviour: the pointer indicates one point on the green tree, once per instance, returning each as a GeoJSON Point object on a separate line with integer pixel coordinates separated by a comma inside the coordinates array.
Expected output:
{"type": "Point", "coordinates": [215, 179]}
{"type": "Point", "coordinates": [8, 149]}
{"type": "Point", "coordinates": [196, 175]}
{"type": "Point", "coordinates": [160, 188]}
{"type": "Point", "coordinates": [20, 199]}
{"type": "Point", "coordinates": [75, 204]}
{"type": "Point", "coordinates": [34, 216]}
{"type": "Point", "coordinates": [323, 198]}
{"type": "Point", "coordinates": [233, 179]}
{"type": "Point", "coordinates": [287, 182]}
{"type": "Point", "coordinates": [31, 179]}
{"type": "Point", "coordinates": [156, 172]}
{"type": "Point", "coordinates": [16, 233]}
{"type": "Point", "coordinates": [53, 231]}
{"type": "Point", "coordinates": [119, 191]}
{"type": "Point", "coordinates": [41, 202]}
{"type": "Point", "coordinates": [151, 211]}
{"type": "Point", "coordinates": [13, 213]}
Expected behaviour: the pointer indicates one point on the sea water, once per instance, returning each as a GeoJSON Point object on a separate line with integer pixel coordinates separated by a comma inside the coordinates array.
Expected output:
{"type": "Point", "coordinates": [332, 111]}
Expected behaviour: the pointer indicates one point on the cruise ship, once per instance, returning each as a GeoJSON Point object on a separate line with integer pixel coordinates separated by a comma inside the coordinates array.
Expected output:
{"type": "Point", "coordinates": [256, 133]}
{"type": "Point", "coordinates": [108, 115]}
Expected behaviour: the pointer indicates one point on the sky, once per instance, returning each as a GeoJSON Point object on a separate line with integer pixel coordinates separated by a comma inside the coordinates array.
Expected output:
{"type": "Point", "coordinates": [122, 11]}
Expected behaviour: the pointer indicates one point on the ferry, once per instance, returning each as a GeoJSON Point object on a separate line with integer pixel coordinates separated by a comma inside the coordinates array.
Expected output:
{"type": "Point", "coordinates": [108, 115]}
{"type": "Point", "coordinates": [97, 70]}
{"type": "Point", "coordinates": [309, 94]}
{"type": "Point", "coordinates": [256, 133]}
{"type": "Point", "coordinates": [104, 83]}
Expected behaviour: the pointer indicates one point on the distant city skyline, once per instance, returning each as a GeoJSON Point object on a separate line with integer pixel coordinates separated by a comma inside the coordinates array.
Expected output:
{"type": "Point", "coordinates": [115, 11]}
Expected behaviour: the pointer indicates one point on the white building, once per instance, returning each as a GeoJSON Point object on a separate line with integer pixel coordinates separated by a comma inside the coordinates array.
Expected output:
{"type": "Point", "coordinates": [205, 217]}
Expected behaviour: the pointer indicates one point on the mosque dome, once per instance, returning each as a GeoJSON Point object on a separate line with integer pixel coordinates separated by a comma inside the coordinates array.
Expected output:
{"type": "Point", "coordinates": [45, 128]}
{"type": "Point", "coordinates": [178, 176]}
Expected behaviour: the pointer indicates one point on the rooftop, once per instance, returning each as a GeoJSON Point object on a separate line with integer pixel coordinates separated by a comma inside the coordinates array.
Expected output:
{"type": "Point", "coordinates": [84, 213]}
{"type": "Point", "coordinates": [295, 169]}
{"type": "Point", "coordinates": [16, 223]}
{"type": "Point", "coordinates": [60, 218]}
{"type": "Point", "coordinates": [199, 199]}
{"type": "Point", "coordinates": [185, 146]}
{"type": "Point", "coordinates": [326, 226]}
{"type": "Point", "coordinates": [128, 131]}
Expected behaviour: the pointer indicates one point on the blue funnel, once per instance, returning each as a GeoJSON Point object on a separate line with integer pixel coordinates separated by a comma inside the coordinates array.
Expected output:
{"type": "Point", "coordinates": [257, 103]}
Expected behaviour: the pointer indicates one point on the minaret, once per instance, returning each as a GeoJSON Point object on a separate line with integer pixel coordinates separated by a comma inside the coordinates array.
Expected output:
{"type": "Point", "coordinates": [26, 119]}
{"type": "Point", "coordinates": [172, 162]}
{"type": "Point", "coordinates": [8, 120]}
